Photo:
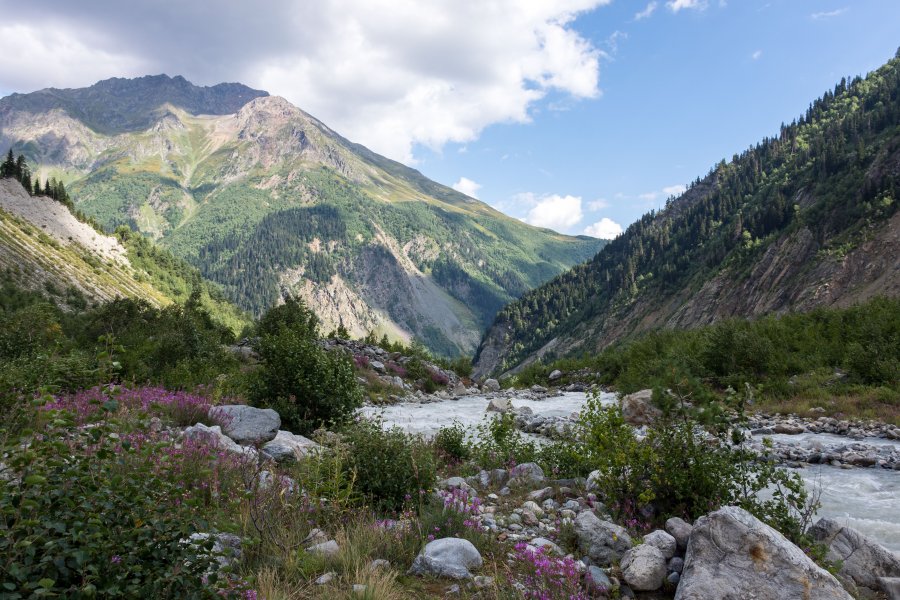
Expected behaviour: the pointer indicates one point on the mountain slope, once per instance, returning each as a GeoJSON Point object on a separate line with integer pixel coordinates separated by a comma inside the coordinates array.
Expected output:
{"type": "Point", "coordinates": [267, 198]}
{"type": "Point", "coordinates": [44, 248]}
{"type": "Point", "coordinates": [802, 220]}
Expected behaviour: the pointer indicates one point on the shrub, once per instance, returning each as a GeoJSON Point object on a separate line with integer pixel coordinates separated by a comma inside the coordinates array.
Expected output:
{"type": "Point", "coordinates": [94, 515]}
{"type": "Point", "coordinates": [450, 441]}
{"type": "Point", "coordinates": [309, 386]}
{"type": "Point", "coordinates": [500, 444]}
{"type": "Point", "coordinates": [391, 466]}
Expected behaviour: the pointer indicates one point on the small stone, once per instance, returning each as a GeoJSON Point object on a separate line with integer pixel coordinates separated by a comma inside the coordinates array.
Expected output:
{"type": "Point", "coordinates": [680, 530]}
{"type": "Point", "coordinates": [541, 495]}
{"type": "Point", "coordinates": [379, 564]}
{"type": "Point", "coordinates": [329, 548]}
{"type": "Point", "coordinates": [483, 581]}
{"type": "Point", "coordinates": [532, 507]}
{"type": "Point", "coordinates": [359, 589]}
{"type": "Point", "coordinates": [597, 581]}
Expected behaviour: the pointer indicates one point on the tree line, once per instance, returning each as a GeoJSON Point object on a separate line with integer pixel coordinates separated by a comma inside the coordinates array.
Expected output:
{"type": "Point", "coordinates": [18, 169]}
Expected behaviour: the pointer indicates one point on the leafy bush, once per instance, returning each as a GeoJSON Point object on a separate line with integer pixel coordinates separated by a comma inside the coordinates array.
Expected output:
{"type": "Point", "coordinates": [451, 442]}
{"type": "Point", "coordinates": [500, 444]}
{"type": "Point", "coordinates": [680, 469]}
{"type": "Point", "coordinates": [391, 467]}
{"type": "Point", "coordinates": [309, 386]}
{"type": "Point", "coordinates": [92, 515]}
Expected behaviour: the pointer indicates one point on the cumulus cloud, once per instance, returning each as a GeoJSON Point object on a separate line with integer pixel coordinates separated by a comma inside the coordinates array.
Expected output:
{"type": "Point", "coordinates": [648, 10]}
{"type": "Point", "coordinates": [554, 211]}
{"type": "Point", "coordinates": [598, 204]}
{"type": "Point", "coordinates": [674, 190]}
{"type": "Point", "coordinates": [388, 74]}
{"type": "Point", "coordinates": [678, 5]}
{"type": "Point", "coordinates": [605, 229]}
{"type": "Point", "coordinates": [467, 186]}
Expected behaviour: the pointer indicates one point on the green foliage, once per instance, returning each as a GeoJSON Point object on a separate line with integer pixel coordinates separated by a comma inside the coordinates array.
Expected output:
{"type": "Point", "coordinates": [309, 386]}
{"type": "Point", "coordinates": [451, 442]}
{"type": "Point", "coordinates": [680, 469]}
{"type": "Point", "coordinates": [391, 467]}
{"type": "Point", "coordinates": [835, 159]}
{"type": "Point", "coordinates": [97, 523]}
{"type": "Point", "coordinates": [499, 443]}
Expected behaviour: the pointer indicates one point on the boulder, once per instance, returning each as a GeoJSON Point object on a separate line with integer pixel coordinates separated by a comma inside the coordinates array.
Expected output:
{"type": "Point", "coordinates": [637, 408]}
{"type": "Point", "coordinates": [247, 424]}
{"type": "Point", "coordinates": [447, 557]}
{"type": "Point", "coordinates": [680, 530]}
{"type": "Point", "coordinates": [453, 483]}
{"type": "Point", "coordinates": [226, 546]}
{"type": "Point", "coordinates": [491, 385]}
{"type": "Point", "coordinates": [863, 560]}
{"type": "Point", "coordinates": [731, 552]}
{"type": "Point", "coordinates": [377, 365]}
{"type": "Point", "coordinates": [891, 587]}
{"type": "Point", "coordinates": [289, 447]}
{"type": "Point", "coordinates": [551, 547]}
{"type": "Point", "coordinates": [663, 541]}
{"type": "Point", "coordinates": [603, 541]}
{"type": "Point", "coordinates": [214, 437]}
{"type": "Point", "coordinates": [329, 548]}
{"type": "Point", "coordinates": [500, 405]}
{"type": "Point", "coordinates": [555, 374]}
{"type": "Point", "coordinates": [592, 483]}
{"type": "Point", "coordinates": [644, 568]}
{"type": "Point", "coordinates": [541, 494]}
{"type": "Point", "coordinates": [526, 474]}
{"type": "Point", "coordinates": [597, 581]}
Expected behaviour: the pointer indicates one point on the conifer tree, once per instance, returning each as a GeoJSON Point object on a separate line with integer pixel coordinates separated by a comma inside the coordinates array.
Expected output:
{"type": "Point", "coordinates": [8, 168]}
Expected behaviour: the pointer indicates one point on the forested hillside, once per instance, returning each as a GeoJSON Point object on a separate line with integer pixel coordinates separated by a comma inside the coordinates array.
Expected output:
{"type": "Point", "coordinates": [265, 199]}
{"type": "Point", "coordinates": [807, 218]}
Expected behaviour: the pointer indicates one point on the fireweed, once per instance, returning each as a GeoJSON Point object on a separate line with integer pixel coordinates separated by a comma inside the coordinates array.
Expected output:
{"type": "Point", "coordinates": [181, 407]}
{"type": "Point", "coordinates": [547, 577]}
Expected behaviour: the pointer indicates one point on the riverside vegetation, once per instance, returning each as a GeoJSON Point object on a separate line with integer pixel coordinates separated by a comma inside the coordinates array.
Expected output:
{"type": "Point", "coordinates": [95, 425]}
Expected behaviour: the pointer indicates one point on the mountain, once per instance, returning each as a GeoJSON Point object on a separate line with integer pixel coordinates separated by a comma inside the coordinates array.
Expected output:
{"type": "Point", "coordinates": [45, 248]}
{"type": "Point", "coordinates": [263, 198]}
{"type": "Point", "coordinates": [806, 219]}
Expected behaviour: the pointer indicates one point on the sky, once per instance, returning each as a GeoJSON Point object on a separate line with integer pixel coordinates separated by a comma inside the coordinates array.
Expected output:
{"type": "Point", "coordinates": [577, 115]}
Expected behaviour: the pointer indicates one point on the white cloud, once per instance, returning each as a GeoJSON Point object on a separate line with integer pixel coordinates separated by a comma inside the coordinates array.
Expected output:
{"type": "Point", "coordinates": [678, 5]}
{"type": "Point", "coordinates": [553, 211]}
{"type": "Point", "coordinates": [605, 229]}
{"type": "Point", "coordinates": [649, 10]}
{"type": "Point", "coordinates": [756, 55]}
{"type": "Point", "coordinates": [829, 14]}
{"type": "Point", "coordinates": [674, 190]}
{"type": "Point", "coordinates": [467, 186]}
{"type": "Point", "coordinates": [388, 74]}
{"type": "Point", "coordinates": [598, 204]}
{"type": "Point", "coordinates": [649, 196]}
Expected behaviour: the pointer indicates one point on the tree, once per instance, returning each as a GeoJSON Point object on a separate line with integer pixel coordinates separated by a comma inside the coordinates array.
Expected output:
{"type": "Point", "coordinates": [8, 168]}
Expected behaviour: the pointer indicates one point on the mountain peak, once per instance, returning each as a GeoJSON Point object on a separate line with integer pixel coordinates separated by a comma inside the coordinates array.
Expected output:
{"type": "Point", "coordinates": [119, 105]}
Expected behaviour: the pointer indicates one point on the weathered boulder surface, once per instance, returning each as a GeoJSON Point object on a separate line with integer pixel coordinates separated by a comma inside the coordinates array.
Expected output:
{"type": "Point", "coordinates": [500, 405]}
{"type": "Point", "coordinates": [603, 541]}
{"type": "Point", "coordinates": [663, 541]}
{"type": "Point", "coordinates": [289, 447]}
{"type": "Point", "coordinates": [733, 555]}
{"type": "Point", "coordinates": [644, 568]}
{"type": "Point", "coordinates": [491, 385]}
{"type": "Point", "coordinates": [447, 557]}
{"type": "Point", "coordinates": [526, 474]}
{"type": "Point", "coordinates": [247, 424]}
{"type": "Point", "coordinates": [638, 409]}
{"type": "Point", "coordinates": [680, 530]}
{"type": "Point", "coordinates": [863, 560]}
{"type": "Point", "coordinates": [214, 437]}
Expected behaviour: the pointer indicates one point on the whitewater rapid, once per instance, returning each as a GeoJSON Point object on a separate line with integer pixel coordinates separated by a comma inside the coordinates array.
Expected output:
{"type": "Point", "coordinates": [866, 499]}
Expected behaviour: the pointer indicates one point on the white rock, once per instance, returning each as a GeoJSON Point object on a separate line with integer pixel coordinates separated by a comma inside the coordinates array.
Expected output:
{"type": "Point", "coordinates": [644, 568]}
{"type": "Point", "coordinates": [447, 557]}
{"type": "Point", "coordinates": [663, 541]}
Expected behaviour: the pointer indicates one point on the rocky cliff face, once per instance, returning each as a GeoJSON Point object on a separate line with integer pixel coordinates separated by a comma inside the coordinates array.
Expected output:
{"type": "Point", "coordinates": [265, 199]}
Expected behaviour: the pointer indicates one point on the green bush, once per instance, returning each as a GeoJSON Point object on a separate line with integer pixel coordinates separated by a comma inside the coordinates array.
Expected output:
{"type": "Point", "coordinates": [309, 386]}
{"type": "Point", "coordinates": [91, 517]}
{"type": "Point", "coordinates": [391, 467]}
{"type": "Point", "coordinates": [500, 444]}
{"type": "Point", "coordinates": [679, 469]}
{"type": "Point", "coordinates": [451, 442]}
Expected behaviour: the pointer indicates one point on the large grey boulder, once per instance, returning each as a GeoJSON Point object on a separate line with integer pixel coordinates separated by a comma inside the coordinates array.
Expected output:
{"type": "Point", "coordinates": [638, 409]}
{"type": "Point", "coordinates": [644, 568]}
{"type": "Point", "coordinates": [214, 437]}
{"type": "Point", "coordinates": [679, 529]}
{"type": "Point", "coordinates": [289, 447]}
{"type": "Point", "coordinates": [500, 405]}
{"type": "Point", "coordinates": [247, 424]}
{"type": "Point", "coordinates": [491, 385]}
{"type": "Point", "coordinates": [663, 541]}
{"type": "Point", "coordinates": [603, 541]}
{"type": "Point", "coordinates": [863, 560]}
{"type": "Point", "coordinates": [733, 555]}
{"type": "Point", "coordinates": [526, 474]}
{"type": "Point", "coordinates": [447, 557]}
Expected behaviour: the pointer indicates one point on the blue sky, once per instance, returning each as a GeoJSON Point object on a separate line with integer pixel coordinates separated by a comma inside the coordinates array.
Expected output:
{"type": "Point", "coordinates": [578, 115]}
{"type": "Point", "coordinates": [680, 91]}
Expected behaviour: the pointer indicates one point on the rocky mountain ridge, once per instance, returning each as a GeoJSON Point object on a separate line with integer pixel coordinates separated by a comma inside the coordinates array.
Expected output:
{"type": "Point", "coordinates": [265, 199]}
